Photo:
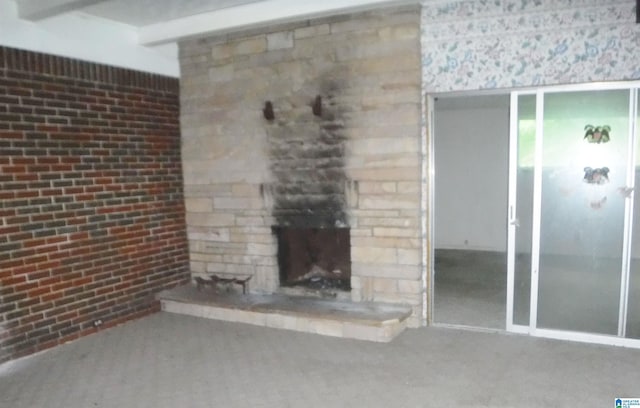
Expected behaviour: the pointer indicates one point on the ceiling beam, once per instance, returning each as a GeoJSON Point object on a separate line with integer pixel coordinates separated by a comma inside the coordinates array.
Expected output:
{"type": "Point", "coordinates": [35, 10]}
{"type": "Point", "coordinates": [261, 13]}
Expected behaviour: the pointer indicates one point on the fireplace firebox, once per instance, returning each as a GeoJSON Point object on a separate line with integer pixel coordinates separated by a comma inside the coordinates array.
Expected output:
{"type": "Point", "coordinates": [314, 258]}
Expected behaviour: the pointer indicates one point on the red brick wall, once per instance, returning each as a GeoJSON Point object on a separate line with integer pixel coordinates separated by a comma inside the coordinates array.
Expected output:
{"type": "Point", "coordinates": [91, 197]}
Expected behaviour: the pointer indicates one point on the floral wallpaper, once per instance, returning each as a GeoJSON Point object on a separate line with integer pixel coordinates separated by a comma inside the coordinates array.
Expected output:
{"type": "Point", "coordinates": [484, 44]}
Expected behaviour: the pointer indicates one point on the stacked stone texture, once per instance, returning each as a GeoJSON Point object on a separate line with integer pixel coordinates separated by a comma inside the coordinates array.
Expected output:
{"type": "Point", "coordinates": [366, 68]}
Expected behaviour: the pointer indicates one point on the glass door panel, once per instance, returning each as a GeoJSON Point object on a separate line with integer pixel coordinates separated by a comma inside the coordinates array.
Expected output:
{"type": "Point", "coordinates": [524, 208]}
{"type": "Point", "coordinates": [584, 162]}
{"type": "Point", "coordinates": [633, 305]}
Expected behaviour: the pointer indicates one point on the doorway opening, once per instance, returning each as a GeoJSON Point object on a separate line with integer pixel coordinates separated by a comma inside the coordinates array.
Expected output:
{"type": "Point", "coordinates": [471, 135]}
{"type": "Point", "coordinates": [536, 228]}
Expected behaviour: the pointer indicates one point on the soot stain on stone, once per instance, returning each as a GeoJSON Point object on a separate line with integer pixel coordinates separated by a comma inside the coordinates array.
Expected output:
{"type": "Point", "coordinates": [307, 156]}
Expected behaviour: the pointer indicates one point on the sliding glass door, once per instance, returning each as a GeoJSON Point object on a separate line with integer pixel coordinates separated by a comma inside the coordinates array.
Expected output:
{"type": "Point", "coordinates": [571, 214]}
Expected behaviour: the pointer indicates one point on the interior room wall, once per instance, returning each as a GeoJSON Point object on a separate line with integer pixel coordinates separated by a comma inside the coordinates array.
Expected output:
{"type": "Point", "coordinates": [91, 198]}
{"type": "Point", "coordinates": [365, 67]}
{"type": "Point", "coordinates": [471, 172]}
{"type": "Point", "coordinates": [471, 45]}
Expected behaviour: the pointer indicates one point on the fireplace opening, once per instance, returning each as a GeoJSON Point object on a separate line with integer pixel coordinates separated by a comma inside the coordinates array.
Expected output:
{"type": "Point", "coordinates": [314, 258]}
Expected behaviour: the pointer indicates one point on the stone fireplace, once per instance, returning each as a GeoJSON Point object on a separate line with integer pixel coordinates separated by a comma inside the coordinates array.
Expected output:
{"type": "Point", "coordinates": [301, 155]}
{"type": "Point", "coordinates": [314, 258]}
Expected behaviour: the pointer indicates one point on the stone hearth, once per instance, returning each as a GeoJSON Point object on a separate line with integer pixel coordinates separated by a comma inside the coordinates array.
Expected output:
{"type": "Point", "coordinates": [363, 321]}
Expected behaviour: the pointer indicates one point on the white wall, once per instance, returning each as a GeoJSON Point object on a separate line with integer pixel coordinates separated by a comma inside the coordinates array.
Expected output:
{"type": "Point", "coordinates": [86, 38]}
{"type": "Point", "coordinates": [471, 173]}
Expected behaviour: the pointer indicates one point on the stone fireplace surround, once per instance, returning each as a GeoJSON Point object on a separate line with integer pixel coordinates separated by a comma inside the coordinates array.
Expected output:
{"type": "Point", "coordinates": [355, 165]}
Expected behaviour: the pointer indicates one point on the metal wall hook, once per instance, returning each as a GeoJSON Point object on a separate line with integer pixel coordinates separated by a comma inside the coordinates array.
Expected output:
{"type": "Point", "coordinates": [267, 111]}
{"type": "Point", "coordinates": [316, 108]}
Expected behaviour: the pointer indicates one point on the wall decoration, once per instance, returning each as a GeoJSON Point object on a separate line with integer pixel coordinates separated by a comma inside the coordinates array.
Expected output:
{"type": "Point", "coordinates": [597, 134]}
{"type": "Point", "coordinates": [482, 44]}
{"type": "Point", "coordinates": [596, 176]}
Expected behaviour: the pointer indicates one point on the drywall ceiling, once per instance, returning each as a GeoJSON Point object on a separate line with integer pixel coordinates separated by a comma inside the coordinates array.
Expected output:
{"type": "Point", "coordinates": [165, 21]}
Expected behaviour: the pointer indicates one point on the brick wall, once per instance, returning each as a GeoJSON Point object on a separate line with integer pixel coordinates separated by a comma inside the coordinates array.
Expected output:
{"type": "Point", "coordinates": [366, 68]}
{"type": "Point", "coordinates": [91, 198]}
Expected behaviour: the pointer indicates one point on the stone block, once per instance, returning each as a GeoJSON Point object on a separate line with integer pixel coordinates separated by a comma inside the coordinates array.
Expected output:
{"type": "Point", "coordinates": [359, 213]}
{"type": "Point", "coordinates": [397, 298]}
{"type": "Point", "coordinates": [313, 31]}
{"type": "Point", "coordinates": [410, 286]}
{"type": "Point", "coordinates": [212, 234]}
{"type": "Point", "coordinates": [384, 174]}
{"type": "Point", "coordinates": [362, 25]}
{"type": "Point", "coordinates": [400, 222]}
{"type": "Point", "coordinates": [409, 187]}
{"type": "Point", "coordinates": [409, 256]}
{"type": "Point", "coordinates": [327, 327]}
{"type": "Point", "coordinates": [366, 290]}
{"type": "Point", "coordinates": [392, 96]}
{"type": "Point", "coordinates": [250, 221]}
{"type": "Point", "coordinates": [212, 247]}
{"type": "Point", "coordinates": [198, 219]}
{"type": "Point", "coordinates": [222, 73]}
{"type": "Point", "coordinates": [363, 130]}
{"type": "Point", "coordinates": [374, 255]}
{"type": "Point", "coordinates": [356, 282]}
{"type": "Point", "coordinates": [374, 187]}
{"type": "Point", "coordinates": [221, 52]}
{"type": "Point", "coordinates": [389, 202]}
{"type": "Point", "coordinates": [274, 320]}
{"type": "Point", "coordinates": [396, 232]}
{"type": "Point", "coordinates": [361, 332]}
{"type": "Point", "coordinates": [399, 115]}
{"type": "Point", "coordinates": [407, 272]}
{"type": "Point", "coordinates": [203, 257]}
{"type": "Point", "coordinates": [198, 205]}
{"type": "Point", "coordinates": [230, 269]}
{"type": "Point", "coordinates": [252, 45]}
{"type": "Point", "coordinates": [236, 203]}
{"type": "Point", "coordinates": [414, 321]}
{"type": "Point", "coordinates": [196, 266]}
{"type": "Point", "coordinates": [385, 285]}
{"type": "Point", "coordinates": [245, 190]}
{"type": "Point", "coordinates": [304, 324]}
{"type": "Point", "coordinates": [289, 322]}
{"type": "Point", "coordinates": [409, 63]}
{"type": "Point", "coordinates": [280, 40]}
{"type": "Point", "coordinates": [386, 161]}
{"type": "Point", "coordinates": [361, 232]}
{"type": "Point", "coordinates": [385, 242]}
{"type": "Point", "coordinates": [206, 190]}
{"type": "Point", "coordinates": [400, 32]}
{"type": "Point", "coordinates": [249, 237]}
{"type": "Point", "coordinates": [262, 249]}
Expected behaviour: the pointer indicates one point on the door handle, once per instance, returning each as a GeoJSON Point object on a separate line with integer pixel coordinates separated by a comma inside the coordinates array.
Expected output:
{"type": "Point", "coordinates": [515, 222]}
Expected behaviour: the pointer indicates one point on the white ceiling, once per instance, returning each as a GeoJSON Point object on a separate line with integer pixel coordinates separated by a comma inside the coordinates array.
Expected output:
{"type": "Point", "coordinates": [165, 21]}
{"type": "Point", "coordinates": [136, 13]}
{"type": "Point", "coordinates": [144, 12]}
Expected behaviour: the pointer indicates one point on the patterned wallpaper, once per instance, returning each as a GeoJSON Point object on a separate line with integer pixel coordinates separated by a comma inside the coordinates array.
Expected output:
{"type": "Point", "coordinates": [484, 44]}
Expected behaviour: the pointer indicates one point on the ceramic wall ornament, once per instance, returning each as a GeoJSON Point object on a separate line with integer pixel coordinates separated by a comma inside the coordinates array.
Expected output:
{"type": "Point", "coordinates": [597, 134]}
{"type": "Point", "coordinates": [596, 176]}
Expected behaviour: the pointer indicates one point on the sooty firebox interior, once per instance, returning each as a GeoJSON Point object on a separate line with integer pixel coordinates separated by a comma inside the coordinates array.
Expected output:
{"type": "Point", "coordinates": [308, 188]}
{"type": "Point", "coordinates": [316, 258]}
